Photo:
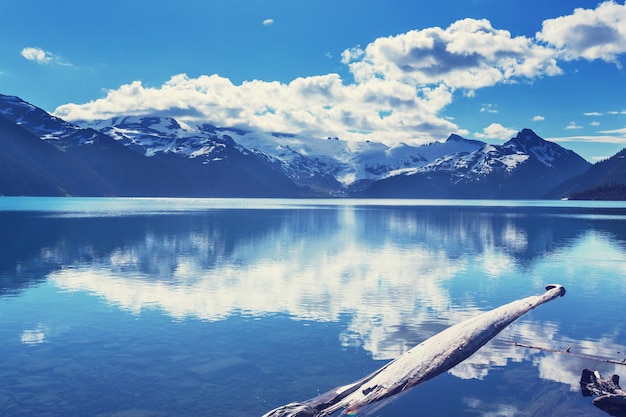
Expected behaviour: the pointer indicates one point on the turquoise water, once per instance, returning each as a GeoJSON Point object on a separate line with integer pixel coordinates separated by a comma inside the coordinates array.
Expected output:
{"type": "Point", "coordinates": [201, 307]}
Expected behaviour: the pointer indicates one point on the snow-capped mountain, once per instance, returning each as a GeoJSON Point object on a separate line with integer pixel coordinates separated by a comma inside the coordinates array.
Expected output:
{"type": "Point", "coordinates": [505, 158]}
{"type": "Point", "coordinates": [167, 156]}
{"type": "Point", "coordinates": [30, 166]}
{"type": "Point", "coordinates": [129, 171]}
{"type": "Point", "coordinates": [205, 144]}
{"type": "Point", "coordinates": [160, 135]}
{"type": "Point", "coordinates": [42, 124]}
{"type": "Point", "coordinates": [330, 165]}
{"type": "Point", "coordinates": [526, 166]}
{"type": "Point", "coordinates": [465, 168]}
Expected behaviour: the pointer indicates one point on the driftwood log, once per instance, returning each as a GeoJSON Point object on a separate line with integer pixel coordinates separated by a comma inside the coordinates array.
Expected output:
{"type": "Point", "coordinates": [425, 361]}
{"type": "Point", "coordinates": [610, 397]}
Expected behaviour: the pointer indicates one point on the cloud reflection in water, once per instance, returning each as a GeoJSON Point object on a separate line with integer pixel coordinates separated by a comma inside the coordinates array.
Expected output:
{"type": "Point", "coordinates": [399, 275]}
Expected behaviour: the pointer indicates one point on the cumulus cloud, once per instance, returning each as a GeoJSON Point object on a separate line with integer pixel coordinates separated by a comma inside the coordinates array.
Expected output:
{"type": "Point", "coordinates": [318, 105]}
{"type": "Point", "coordinates": [496, 131]}
{"type": "Point", "coordinates": [409, 78]}
{"type": "Point", "coordinates": [590, 34]}
{"type": "Point", "coordinates": [352, 54]}
{"type": "Point", "coordinates": [268, 22]}
{"type": "Point", "coordinates": [538, 118]}
{"type": "Point", "coordinates": [469, 54]}
{"type": "Point", "coordinates": [40, 56]}
{"type": "Point", "coordinates": [398, 87]}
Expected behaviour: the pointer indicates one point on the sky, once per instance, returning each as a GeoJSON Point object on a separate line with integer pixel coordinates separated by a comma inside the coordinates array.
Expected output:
{"type": "Point", "coordinates": [392, 71]}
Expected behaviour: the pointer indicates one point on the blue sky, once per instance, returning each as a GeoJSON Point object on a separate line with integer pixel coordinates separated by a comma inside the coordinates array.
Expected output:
{"type": "Point", "coordinates": [382, 70]}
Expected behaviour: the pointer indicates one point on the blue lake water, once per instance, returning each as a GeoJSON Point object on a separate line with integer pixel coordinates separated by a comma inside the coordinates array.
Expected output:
{"type": "Point", "coordinates": [200, 307]}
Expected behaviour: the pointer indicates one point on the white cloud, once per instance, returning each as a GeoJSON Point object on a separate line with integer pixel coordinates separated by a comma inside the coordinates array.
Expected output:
{"type": "Point", "coordinates": [592, 113]}
{"type": "Point", "coordinates": [621, 131]}
{"type": "Point", "coordinates": [604, 138]}
{"type": "Point", "coordinates": [40, 56]}
{"type": "Point", "coordinates": [590, 34]}
{"type": "Point", "coordinates": [268, 22]}
{"type": "Point", "coordinates": [410, 78]}
{"type": "Point", "coordinates": [469, 54]}
{"type": "Point", "coordinates": [496, 131]}
{"type": "Point", "coordinates": [538, 118]}
{"type": "Point", "coordinates": [614, 137]}
{"type": "Point", "coordinates": [573, 125]}
{"type": "Point", "coordinates": [352, 54]}
{"type": "Point", "coordinates": [321, 106]}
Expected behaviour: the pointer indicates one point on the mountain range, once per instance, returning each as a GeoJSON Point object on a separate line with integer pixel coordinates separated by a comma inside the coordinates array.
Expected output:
{"type": "Point", "coordinates": [41, 154]}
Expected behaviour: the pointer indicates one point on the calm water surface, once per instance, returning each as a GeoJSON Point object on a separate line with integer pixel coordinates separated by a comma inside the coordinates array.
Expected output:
{"type": "Point", "coordinates": [175, 307]}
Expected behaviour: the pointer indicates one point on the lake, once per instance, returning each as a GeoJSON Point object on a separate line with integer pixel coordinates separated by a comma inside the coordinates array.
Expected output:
{"type": "Point", "coordinates": [202, 307]}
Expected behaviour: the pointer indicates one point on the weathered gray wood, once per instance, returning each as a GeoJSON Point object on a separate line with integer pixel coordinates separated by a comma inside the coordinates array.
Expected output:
{"type": "Point", "coordinates": [423, 362]}
{"type": "Point", "coordinates": [610, 397]}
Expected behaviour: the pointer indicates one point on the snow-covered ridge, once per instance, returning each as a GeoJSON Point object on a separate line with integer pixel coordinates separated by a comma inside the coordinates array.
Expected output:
{"type": "Point", "coordinates": [486, 159]}
{"type": "Point", "coordinates": [324, 167]}
{"type": "Point", "coordinates": [306, 158]}
{"type": "Point", "coordinates": [154, 135]}
{"type": "Point", "coordinates": [299, 156]}
{"type": "Point", "coordinates": [44, 124]}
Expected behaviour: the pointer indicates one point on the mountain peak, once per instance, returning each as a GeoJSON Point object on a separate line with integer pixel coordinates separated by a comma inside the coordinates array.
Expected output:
{"type": "Point", "coordinates": [527, 131]}
{"type": "Point", "coordinates": [546, 152]}
{"type": "Point", "coordinates": [455, 138]}
{"type": "Point", "coordinates": [527, 136]}
{"type": "Point", "coordinates": [460, 140]}
{"type": "Point", "coordinates": [526, 140]}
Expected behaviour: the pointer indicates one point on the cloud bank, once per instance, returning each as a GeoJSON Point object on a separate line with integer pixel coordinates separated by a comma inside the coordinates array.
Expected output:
{"type": "Point", "coordinates": [399, 88]}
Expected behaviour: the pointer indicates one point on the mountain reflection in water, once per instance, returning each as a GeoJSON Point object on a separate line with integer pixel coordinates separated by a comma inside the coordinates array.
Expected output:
{"type": "Point", "coordinates": [389, 275]}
